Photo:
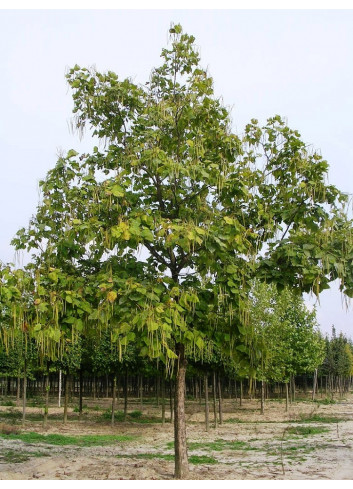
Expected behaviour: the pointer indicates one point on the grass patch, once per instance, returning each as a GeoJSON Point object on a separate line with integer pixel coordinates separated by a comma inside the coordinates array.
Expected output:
{"type": "Point", "coordinates": [18, 457]}
{"type": "Point", "coordinates": [202, 459]}
{"type": "Point", "coordinates": [291, 451]}
{"type": "Point", "coordinates": [15, 415]}
{"type": "Point", "coordinates": [306, 430]}
{"type": "Point", "coordinates": [325, 401]}
{"type": "Point", "coordinates": [193, 459]}
{"type": "Point", "coordinates": [318, 418]}
{"type": "Point", "coordinates": [149, 456]}
{"type": "Point", "coordinates": [233, 420]}
{"type": "Point", "coordinates": [133, 416]}
{"type": "Point", "coordinates": [8, 403]}
{"type": "Point", "coordinates": [62, 440]}
{"type": "Point", "coordinates": [216, 446]}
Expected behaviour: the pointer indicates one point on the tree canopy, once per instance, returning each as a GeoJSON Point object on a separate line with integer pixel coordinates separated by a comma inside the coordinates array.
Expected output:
{"type": "Point", "coordinates": [157, 234]}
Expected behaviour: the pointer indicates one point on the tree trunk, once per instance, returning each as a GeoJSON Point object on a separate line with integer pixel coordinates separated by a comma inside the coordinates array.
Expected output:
{"type": "Point", "coordinates": [200, 391]}
{"type": "Point", "coordinates": [241, 394]}
{"type": "Point", "coordinates": [60, 387]}
{"type": "Point", "coordinates": [46, 408]}
{"type": "Point", "coordinates": [207, 408]}
{"type": "Point", "coordinates": [181, 454]}
{"type": "Point", "coordinates": [314, 384]}
{"type": "Point", "coordinates": [80, 394]}
{"type": "Point", "coordinates": [113, 400]}
{"type": "Point", "coordinates": [125, 395]}
{"type": "Point", "coordinates": [66, 399]}
{"type": "Point", "coordinates": [220, 401]}
{"type": "Point", "coordinates": [214, 399]}
{"type": "Point", "coordinates": [24, 394]}
{"type": "Point", "coordinates": [262, 410]}
{"type": "Point", "coordinates": [94, 387]}
{"type": "Point", "coordinates": [141, 390]}
{"type": "Point", "coordinates": [287, 397]}
{"type": "Point", "coordinates": [171, 400]}
{"type": "Point", "coordinates": [107, 385]}
{"type": "Point", "coordinates": [18, 393]}
{"type": "Point", "coordinates": [163, 398]}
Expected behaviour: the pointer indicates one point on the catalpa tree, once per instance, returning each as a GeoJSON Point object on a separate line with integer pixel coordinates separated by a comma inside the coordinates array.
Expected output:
{"type": "Point", "coordinates": [171, 221]}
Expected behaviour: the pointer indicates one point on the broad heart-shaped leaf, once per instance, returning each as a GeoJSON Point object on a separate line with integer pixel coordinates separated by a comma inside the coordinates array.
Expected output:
{"type": "Point", "coordinates": [117, 191]}
{"type": "Point", "coordinates": [111, 296]}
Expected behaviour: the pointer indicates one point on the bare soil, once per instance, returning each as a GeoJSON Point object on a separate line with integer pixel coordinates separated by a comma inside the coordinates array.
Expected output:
{"type": "Point", "coordinates": [247, 445]}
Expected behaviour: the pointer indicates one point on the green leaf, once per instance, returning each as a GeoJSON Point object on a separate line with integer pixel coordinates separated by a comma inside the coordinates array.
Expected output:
{"type": "Point", "coordinates": [117, 191]}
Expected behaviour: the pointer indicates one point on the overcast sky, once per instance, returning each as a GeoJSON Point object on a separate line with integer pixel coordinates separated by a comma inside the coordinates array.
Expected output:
{"type": "Point", "coordinates": [296, 63]}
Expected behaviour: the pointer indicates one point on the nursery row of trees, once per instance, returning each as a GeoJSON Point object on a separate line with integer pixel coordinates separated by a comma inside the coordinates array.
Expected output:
{"type": "Point", "coordinates": [158, 240]}
{"type": "Point", "coordinates": [282, 343]}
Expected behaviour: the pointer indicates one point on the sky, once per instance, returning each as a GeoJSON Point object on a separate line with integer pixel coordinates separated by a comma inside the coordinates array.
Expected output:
{"type": "Point", "coordinates": [295, 63]}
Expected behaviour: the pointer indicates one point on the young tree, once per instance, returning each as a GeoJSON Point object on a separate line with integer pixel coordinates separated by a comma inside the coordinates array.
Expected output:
{"type": "Point", "coordinates": [170, 222]}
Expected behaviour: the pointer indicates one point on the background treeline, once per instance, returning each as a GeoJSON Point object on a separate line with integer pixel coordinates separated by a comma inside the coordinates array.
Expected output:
{"type": "Point", "coordinates": [282, 354]}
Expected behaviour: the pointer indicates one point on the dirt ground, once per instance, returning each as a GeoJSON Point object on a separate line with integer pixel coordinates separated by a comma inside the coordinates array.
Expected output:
{"type": "Point", "coordinates": [313, 441]}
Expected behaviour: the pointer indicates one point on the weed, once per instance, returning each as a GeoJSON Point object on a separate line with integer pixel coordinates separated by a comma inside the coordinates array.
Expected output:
{"type": "Point", "coordinates": [233, 420]}
{"type": "Point", "coordinates": [217, 445]}
{"type": "Point", "coordinates": [325, 401]}
{"type": "Point", "coordinates": [318, 418]}
{"type": "Point", "coordinates": [77, 408]}
{"type": "Point", "coordinates": [8, 403]}
{"type": "Point", "coordinates": [17, 457]}
{"type": "Point", "coordinates": [11, 414]}
{"type": "Point", "coordinates": [306, 430]}
{"type": "Point", "coordinates": [149, 456]}
{"type": "Point", "coordinates": [202, 459]}
{"type": "Point", "coordinates": [83, 441]}
{"type": "Point", "coordinates": [135, 414]}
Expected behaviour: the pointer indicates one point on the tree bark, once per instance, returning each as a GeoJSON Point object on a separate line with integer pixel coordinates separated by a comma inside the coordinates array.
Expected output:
{"type": "Point", "coordinates": [107, 385]}
{"type": "Point", "coordinates": [46, 408]}
{"type": "Point", "coordinates": [125, 395]}
{"type": "Point", "coordinates": [220, 401]}
{"type": "Point", "coordinates": [163, 398]}
{"type": "Point", "coordinates": [80, 394]}
{"type": "Point", "coordinates": [207, 408]}
{"type": "Point", "coordinates": [141, 390]}
{"type": "Point", "coordinates": [262, 410]}
{"type": "Point", "coordinates": [24, 395]}
{"type": "Point", "coordinates": [214, 400]}
{"type": "Point", "coordinates": [314, 384]}
{"type": "Point", "coordinates": [171, 400]}
{"type": "Point", "coordinates": [94, 387]}
{"type": "Point", "coordinates": [66, 399]}
{"type": "Point", "coordinates": [287, 397]}
{"type": "Point", "coordinates": [113, 400]}
{"type": "Point", "coordinates": [18, 393]}
{"type": "Point", "coordinates": [181, 454]}
{"type": "Point", "coordinates": [59, 389]}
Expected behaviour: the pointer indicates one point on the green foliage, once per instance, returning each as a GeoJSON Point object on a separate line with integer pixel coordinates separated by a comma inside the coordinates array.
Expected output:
{"type": "Point", "coordinates": [284, 339]}
{"type": "Point", "coordinates": [176, 183]}
{"type": "Point", "coordinates": [338, 356]}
